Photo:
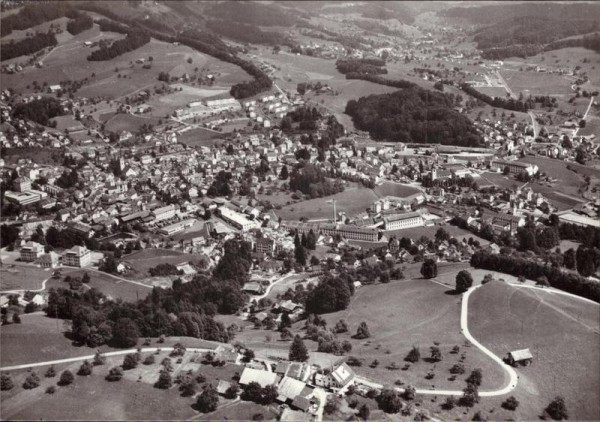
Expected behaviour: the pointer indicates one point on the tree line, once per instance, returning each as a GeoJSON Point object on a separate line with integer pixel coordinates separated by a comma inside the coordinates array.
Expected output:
{"type": "Point", "coordinates": [361, 66]}
{"type": "Point", "coordinates": [569, 282]}
{"type": "Point", "coordinates": [413, 115]}
{"type": "Point", "coordinates": [27, 46]}
{"type": "Point", "coordinates": [135, 39]}
{"type": "Point", "coordinates": [377, 79]}
{"type": "Point", "coordinates": [506, 103]}
{"type": "Point", "coordinates": [33, 14]}
{"type": "Point", "coordinates": [245, 33]}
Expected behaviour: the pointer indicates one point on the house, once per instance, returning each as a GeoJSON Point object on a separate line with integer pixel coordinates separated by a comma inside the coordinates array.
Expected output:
{"type": "Point", "coordinates": [338, 380]}
{"type": "Point", "coordinates": [253, 288]}
{"type": "Point", "coordinates": [77, 256]}
{"type": "Point", "coordinates": [519, 357]}
{"type": "Point", "coordinates": [290, 415]}
{"type": "Point", "coordinates": [263, 378]}
{"type": "Point", "coordinates": [226, 354]}
{"type": "Point", "coordinates": [31, 251]}
{"type": "Point", "coordinates": [223, 386]}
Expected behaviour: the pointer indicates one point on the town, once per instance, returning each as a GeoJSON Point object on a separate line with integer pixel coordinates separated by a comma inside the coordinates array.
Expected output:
{"type": "Point", "coordinates": [269, 253]}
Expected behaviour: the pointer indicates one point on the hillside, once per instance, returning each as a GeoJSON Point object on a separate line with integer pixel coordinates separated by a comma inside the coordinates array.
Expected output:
{"type": "Point", "coordinates": [562, 334]}
{"type": "Point", "coordinates": [413, 115]}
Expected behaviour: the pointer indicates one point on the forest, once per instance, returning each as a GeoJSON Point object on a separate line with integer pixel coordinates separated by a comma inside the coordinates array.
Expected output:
{"type": "Point", "coordinates": [135, 39]}
{"type": "Point", "coordinates": [39, 111]}
{"type": "Point", "coordinates": [361, 66]}
{"type": "Point", "coordinates": [569, 282]}
{"type": "Point", "coordinates": [81, 22]}
{"type": "Point", "coordinates": [395, 83]}
{"type": "Point", "coordinates": [33, 14]}
{"type": "Point", "coordinates": [251, 13]}
{"type": "Point", "coordinates": [27, 46]}
{"type": "Point", "coordinates": [413, 115]}
{"type": "Point", "coordinates": [245, 33]}
{"type": "Point", "coordinates": [312, 181]}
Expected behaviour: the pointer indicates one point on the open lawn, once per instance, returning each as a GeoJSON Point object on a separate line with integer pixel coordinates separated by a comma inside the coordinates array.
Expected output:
{"type": "Point", "coordinates": [52, 156]}
{"type": "Point", "coordinates": [351, 201]}
{"type": "Point", "coordinates": [22, 277]}
{"type": "Point", "coordinates": [562, 334]}
{"type": "Point", "coordinates": [492, 91]}
{"type": "Point", "coordinates": [129, 122]}
{"type": "Point", "coordinates": [142, 261]}
{"type": "Point", "coordinates": [395, 189]}
{"type": "Point", "coordinates": [406, 313]}
{"type": "Point", "coordinates": [241, 410]}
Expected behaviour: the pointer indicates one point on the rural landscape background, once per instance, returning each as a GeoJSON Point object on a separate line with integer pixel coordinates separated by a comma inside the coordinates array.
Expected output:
{"type": "Point", "coordinates": [299, 210]}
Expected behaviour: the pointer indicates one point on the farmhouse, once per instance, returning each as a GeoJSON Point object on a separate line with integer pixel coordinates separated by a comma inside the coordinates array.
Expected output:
{"type": "Point", "coordinates": [519, 357]}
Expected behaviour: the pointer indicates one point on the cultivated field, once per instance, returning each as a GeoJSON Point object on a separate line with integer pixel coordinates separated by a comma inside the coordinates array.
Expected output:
{"type": "Point", "coordinates": [129, 122]}
{"type": "Point", "coordinates": [562, 334]}
{"type": "Point", "coordinates": [406, 313]}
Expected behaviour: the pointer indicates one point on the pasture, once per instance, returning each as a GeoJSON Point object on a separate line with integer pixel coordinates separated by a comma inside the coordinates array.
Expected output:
{"type": "Point", "coordinates": [129, 122]}
{"type": "Point", "coordinates": [408, 313]}
{"type": "Point", "coordinates": [142, 261]}
{"type": "Point", "coordinates": [492, 91]}
{"type": "Point", "coordinates": [120, 76]}
{"type": "Point", "coordinates": [199, 137]}
{"type": "Point", "coordinates": [351, 201]}
{"type": "Point", "coordinates": [395, 189]}
{"type": "Point", "coordinates": [562, 334]}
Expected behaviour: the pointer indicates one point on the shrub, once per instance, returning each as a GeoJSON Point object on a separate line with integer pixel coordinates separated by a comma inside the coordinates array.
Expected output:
{"type": "Point", "coordinates": [164, 380]}
{"type": "Point", "coordinates": [414, 355]}
{"type": "Point", "coordinates": [115, 374]}
{"type": "Point", "coordinates": [149, 360]}
{"type": "Point", "coordinates": [32, 381]}
{"type": "Point", "coordinates": [51, 390]}
{"type": "Point", "coordinates": [129, 361]}
{"type": "Point", "coordinates": [510, 403]}
{"type": "Point", "coordinates": [51, 372]}
{"type": "Point", "coordinates": [99, 359]}
{"type": "Point", "coordinates": [66, 378]}
{"type": "Point", "coordinates": [6, 382]}
{"type": "Point", "coordinates": [85, 368]}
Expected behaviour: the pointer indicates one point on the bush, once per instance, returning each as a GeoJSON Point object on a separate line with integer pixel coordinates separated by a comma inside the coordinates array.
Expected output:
{"type": "Point", "coordinates": [51, 372]}
{"type": "Point", "coordinates": [66, 378]}
{"type": "Point", "coordinates": [149, 360]}
{"type": "Point", "coordinates": [6, 382]}
{"type": "Point", "coordinates": [164, 380]}
{"type": "Point", "coordinates": [32, 381]}
{"type": "Point", "coordinates": [414, 355]}
{"type": "Point", "coordinates": [99, 359]}
{"type": "Point", "coordinates": [449, 403]}
{"type": "Point", "coordinates": [115, 374]}
{"type": "Point", "coordinates": [85, 368]}
{"type": "Point", "coordinates": [557, 409]}
{"type": "Point", "coordinates": [51, 390]}
{"type": "Point", "coordinates": [510, 403]}
{"type": "Point", "coordinates": [130, 361]}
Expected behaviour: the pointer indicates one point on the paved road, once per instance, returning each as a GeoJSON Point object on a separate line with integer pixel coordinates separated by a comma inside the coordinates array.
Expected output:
{"type": "Point", "coordinates": [90, 357]}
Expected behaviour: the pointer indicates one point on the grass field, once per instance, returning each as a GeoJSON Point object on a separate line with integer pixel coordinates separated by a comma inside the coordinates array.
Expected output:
{"type": "Point", "coordinates": [242, 410]}
{"type": "Point", "coordinates": [129, 122]}
{"type": "Point", "coordinates": [199, 137]}
{"type": "Point", "coordinates": [559, 332]}
{"type": "Point", "coordinates": [50, 156]}
{"type": "Point", "coordinates": [492, 91]}
{"type": "Point", "coordinates": [142, 261]}
{"type": "Point", "coordinates": [21, 277]}
{"type": "Point", "coordinates": [395, 189]}
{"type": "Point", "coordinates": [406, 313]}
{"type": "Point", "coordinates": [537, 83]}
{"type": "Point", "coordinates": [351, 201]}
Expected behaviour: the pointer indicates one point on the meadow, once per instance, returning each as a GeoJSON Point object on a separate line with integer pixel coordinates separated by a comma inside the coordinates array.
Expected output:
{"type": "Point", "coordinates": [21, 277]}
{"type": "Point", "coordinates": [142, 261]}
{"type": "Point", "coordinates": [351, 201]}
{"type": "Point", "coordinates": [562, 334]}
{"type": "Point", "coordinates": [199, 137]}
{"type": "Point", "coordinates": [537, 83]}
{"type": "Point", "coordinates": [408, 313]}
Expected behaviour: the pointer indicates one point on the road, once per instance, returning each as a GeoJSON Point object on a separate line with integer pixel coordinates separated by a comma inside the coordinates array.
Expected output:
{"type": "Point", "coordinates": [270, 286]}
{"type": "Point", "coordinates": [536, 128]}
{"type": "Point", "coordinates": [30, 290]}
{"type": "Point", "coordinates": [585, 115]}
{"type": "Point", "coordinates": [503, 81]}
{"type": "Point", "coordinates": [90, 357]}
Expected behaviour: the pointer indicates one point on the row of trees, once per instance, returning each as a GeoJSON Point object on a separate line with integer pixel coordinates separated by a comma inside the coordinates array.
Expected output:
{"type": "Point", "coordinates": [361, 66]}
{"type": "Point", "coordinates": [135, 39]}
{"type": "Point", "coordinates": [82, 22]}
{"type": "Point", "coordinates": [27, 45]}
{"type": "Point", "coordinates": [569, 282]}
{"type": "Point", "coordinates": [498, 102]}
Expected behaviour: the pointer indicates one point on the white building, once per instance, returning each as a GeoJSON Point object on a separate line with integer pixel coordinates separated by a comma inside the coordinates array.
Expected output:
{"type": "Point", "coordinates": [403, 221]}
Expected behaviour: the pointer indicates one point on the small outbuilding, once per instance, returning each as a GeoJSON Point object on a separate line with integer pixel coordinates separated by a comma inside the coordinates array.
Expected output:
{"type": "Point", "coordinates": [519, 357]}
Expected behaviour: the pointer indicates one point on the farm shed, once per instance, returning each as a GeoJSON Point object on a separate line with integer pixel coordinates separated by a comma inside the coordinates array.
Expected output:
{"type": "Point", "coordinates": [520, 357]}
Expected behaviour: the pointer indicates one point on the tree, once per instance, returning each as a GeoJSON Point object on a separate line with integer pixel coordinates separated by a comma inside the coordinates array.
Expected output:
{"type": "Point", "coordinates": [341, 327]}
{"type": "Point", "coordinates": [389, 401]}
{"type": "Point", "coordinates": [232, 391]}
{"type": "Point", "coordinates": [32, 381]}
{"type": "Point", "coordinates": [85, 369]}
{"type": "Point", "coordinates": [208, 400]}
{"type": "Point", "coordinates": [470, 395]}
{"type": "Point", "coordinates": [149, 360]}
{"type": "Point", "coordinates": [164, 380]}
{"type": "Point", "coordinates": [188, 387]}
{"type": "Point", "coordinates": [362, 331]}
{"type": "Point", "coordinates": [125, 333]}
{"type": "Point", "coordinates": [6, 382]}
{"type": "Point", "coordinates": [449, 403]}
{"type": "Point", "coordinates": [557, 409]}
{"type": "Point", "coordinates": [441, 235]}
{"type": "Point", "coordinates": [129, 361]}
{"type": "Point", "coordinates": [464, 281]}
{"type": "Point", "coordinates": [99, 359]}
{"type": "Point", "coordinates": [284, 173]}
{"type": "Point", "coordinates": [115, 374]}
{"type": "Point", "coordinates": [506, 171]}
{"type": "Point", "coordinates": [51, 390]}
{"type": "Point", "coordinates": [66, 378]}
{"type": "Point", "coordinates": [86, 278]}
{"type": "Point", "coordinates": [51, 372]}
{"type": "Point", "coordinates": [16, 319]}
{"type": "Point", "coordinates": [252, 392]}
{"type": "Point", "coordinates": [475, 377]}
{"type": "Point", "coordinates": [414, 355]}
{"type": "Point", "coordinates": [332, 404]}
{"type": "Point", "coordinates": [269, 394]}
{"type": "Point", "coordinates": [510, 403]}
{"type": "Point", "coordinates": [248, 355]}
{"type": "Point", "coordinates": [364, 412]}
{"type": "Point", "coordinates": [298, 351]}
{"type": "Point", "coordinates": [436, 354]}
{"type": "Point", "coordinates": [542, 281]}
{"type": "Point", "coordinates": [429, 268]}
{"type": "Point", "coordinates": [410, 392]}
